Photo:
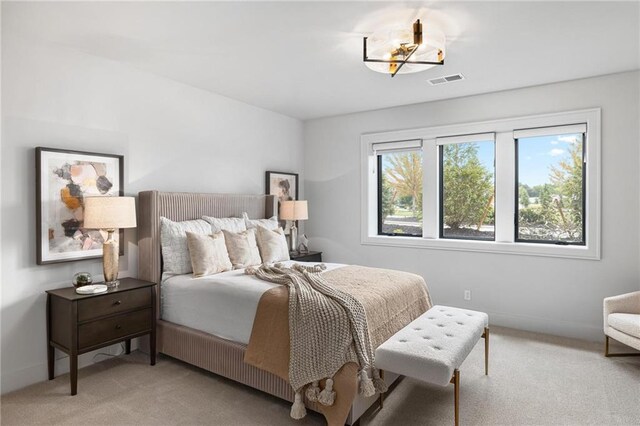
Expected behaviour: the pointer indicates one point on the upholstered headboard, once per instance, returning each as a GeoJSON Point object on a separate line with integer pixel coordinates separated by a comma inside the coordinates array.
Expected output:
{"type": "Point", "coordinates": [180, 206]}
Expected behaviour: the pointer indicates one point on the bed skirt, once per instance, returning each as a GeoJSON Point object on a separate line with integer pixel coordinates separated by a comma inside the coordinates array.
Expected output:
{"type": "Point", "coordinates": [226, 358]}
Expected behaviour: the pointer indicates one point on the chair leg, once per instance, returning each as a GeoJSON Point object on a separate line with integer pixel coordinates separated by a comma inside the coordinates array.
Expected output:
{"type": "Point", "coordinates": [486, 350]}
{"type": "Point", "coordinates": [456, 395]}
{"type": "Point", "coordinates": [609, 355]}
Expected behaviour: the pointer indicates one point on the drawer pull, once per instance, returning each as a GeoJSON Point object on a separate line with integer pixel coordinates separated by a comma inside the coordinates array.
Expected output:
{"type": "Point", "coordinates": [117, 302]}
{"type": "Point", "coordinates": [118, 327]}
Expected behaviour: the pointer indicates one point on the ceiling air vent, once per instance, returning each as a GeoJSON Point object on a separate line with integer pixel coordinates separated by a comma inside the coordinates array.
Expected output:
{"type": "Point", "coordinates": [446, 79]}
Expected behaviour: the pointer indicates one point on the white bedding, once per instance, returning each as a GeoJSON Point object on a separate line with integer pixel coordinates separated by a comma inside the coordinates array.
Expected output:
{"type": "Point", "coordinates": [223, 304]}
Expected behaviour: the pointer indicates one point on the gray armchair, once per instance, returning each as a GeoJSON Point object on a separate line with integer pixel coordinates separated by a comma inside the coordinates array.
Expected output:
{"type": "Point", "coordinates": [622, 321]}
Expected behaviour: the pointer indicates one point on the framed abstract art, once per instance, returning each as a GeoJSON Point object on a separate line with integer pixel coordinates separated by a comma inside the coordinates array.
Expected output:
{"type": "Point", "coordinates": [63, 179]}
{"type": "Point", "coordinates": [285, 187]}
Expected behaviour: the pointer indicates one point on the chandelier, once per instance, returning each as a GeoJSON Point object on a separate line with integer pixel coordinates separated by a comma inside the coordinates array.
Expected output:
{"type": "Point", "coordinates": [404, 51]}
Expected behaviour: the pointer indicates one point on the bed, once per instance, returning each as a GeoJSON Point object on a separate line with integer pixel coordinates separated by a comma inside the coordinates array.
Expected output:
{"type": "Point", "coordinates": [219, 350]}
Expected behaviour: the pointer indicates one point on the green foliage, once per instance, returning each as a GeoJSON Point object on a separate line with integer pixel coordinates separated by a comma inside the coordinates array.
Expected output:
{"type": "Point", "coordinates": [530, 216]}
{"type": "Point", "coordinates": [405, 177]}
{"type": "Point", "coordinates": [523, 195]}
{"type": "Point", "coordinates": [559, 214]}
{"type": "Point", "coordinates": [468, 186]}
{"type": "Point", "coordinates": [406, 201]}
{"type": "Point", "coordinates": [388, 195]}
{"type": "Point", "coordinates": [567, 178]}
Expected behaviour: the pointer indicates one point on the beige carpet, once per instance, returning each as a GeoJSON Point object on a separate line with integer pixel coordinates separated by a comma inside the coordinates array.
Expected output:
{"type": "Point", "coordinates": [534, 379]}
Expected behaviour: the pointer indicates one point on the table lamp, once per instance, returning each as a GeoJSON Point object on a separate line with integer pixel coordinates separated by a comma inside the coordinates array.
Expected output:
{"type": "Point", "coordinates": [109, 214]}
{"type": "Point", "coordinates": [294, 210]}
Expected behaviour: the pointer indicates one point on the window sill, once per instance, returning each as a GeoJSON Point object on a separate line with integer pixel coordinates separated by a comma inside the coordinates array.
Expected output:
{"type": "Point", "coordinates": [526, 249]}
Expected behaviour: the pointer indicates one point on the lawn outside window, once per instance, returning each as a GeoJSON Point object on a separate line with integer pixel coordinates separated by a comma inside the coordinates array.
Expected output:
{"type": "Point", "coordinates": [525, 185]}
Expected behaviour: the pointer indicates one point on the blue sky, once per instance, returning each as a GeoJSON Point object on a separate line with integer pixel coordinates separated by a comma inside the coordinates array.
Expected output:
{"type": "Point", "coordinates": [537, 155]}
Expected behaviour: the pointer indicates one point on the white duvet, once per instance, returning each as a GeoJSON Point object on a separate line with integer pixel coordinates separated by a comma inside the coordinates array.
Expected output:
{"type": "Point", "coordinates": [223, 304]}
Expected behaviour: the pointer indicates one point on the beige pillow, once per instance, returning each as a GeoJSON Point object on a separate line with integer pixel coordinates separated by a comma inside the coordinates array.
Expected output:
{"type": "Point", "coordinates": [233, 224]}
{"type": "Point", "coordinates": [173, 239]}
{"type": "Point", "coordinates": [208, 254]}
{"type": "Point", "coordinates": [242, 248]}
{"type": "Point", "coordinates": [272, 244]}
{"type": "Point", "coordinates": [271, 223]}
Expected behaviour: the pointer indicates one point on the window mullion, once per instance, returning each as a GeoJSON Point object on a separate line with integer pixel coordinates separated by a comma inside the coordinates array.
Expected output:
{"type": "Point", "coordinates": [505, 187]}
{"type": "Point", "coordinates": [430, 189]}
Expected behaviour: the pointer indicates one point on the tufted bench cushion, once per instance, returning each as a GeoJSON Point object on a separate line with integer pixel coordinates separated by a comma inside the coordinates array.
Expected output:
{"type": "Point", "coordinates": [434, 345]}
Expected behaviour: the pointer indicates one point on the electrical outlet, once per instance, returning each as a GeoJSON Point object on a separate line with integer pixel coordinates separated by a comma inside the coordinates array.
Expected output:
{"type": "Point", "coordinates": [467, 295]}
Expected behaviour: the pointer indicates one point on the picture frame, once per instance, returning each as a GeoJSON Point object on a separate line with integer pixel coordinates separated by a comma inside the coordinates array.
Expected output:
{"type": "Point", "coordinates": [285, 187]}
{"type": "Point", "coordinates": [63, 179]}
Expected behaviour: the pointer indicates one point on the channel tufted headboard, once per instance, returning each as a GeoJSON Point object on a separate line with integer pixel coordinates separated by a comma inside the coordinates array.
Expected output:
{"type": "Point", "coordinates": [180, 206]}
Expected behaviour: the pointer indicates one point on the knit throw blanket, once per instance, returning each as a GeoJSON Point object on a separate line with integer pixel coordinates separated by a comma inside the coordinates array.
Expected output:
{"type": "Point", "coordinates": [327, 329]}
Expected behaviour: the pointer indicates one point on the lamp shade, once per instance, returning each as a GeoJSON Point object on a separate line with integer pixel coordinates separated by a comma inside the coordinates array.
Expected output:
{"type": "Point", "coordinates": [294, 210]}
{"type": "Point", "coordinates": [109, 212]}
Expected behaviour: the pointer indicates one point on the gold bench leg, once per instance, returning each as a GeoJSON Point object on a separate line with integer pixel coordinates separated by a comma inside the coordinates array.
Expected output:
{"type": "Point", "coordinates": [381, 394]}
{"type": "Point", "coordinates": [485, 335]}
{"type": "Point", "coordinates": [456, 395]}
{"type": "Point", "coordinates": [609, 355]}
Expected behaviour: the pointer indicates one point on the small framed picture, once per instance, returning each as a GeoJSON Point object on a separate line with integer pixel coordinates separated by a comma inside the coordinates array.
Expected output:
{"type": "Point", "coordinates": [285, 187]}
{"type": "Point", "coordinates": [63, 179]}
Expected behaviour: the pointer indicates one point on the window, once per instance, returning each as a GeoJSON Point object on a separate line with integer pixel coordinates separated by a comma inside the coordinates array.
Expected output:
{"type": "Point", "coordinates": [467, 187]}
{"type": "Point", "coordinates": [550, 183]}
{"type": "Point", "coordinates": [525, 185]}
{"type": "Point", "coordinates": [400, 189]}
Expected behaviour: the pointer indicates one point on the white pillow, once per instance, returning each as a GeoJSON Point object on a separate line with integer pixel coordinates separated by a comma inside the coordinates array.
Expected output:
{"type": "Point", "coordinates": [242, 248]}
{"type": "Point", "coordinates": [173, 241]}
{"type": "Point", "coordinates": [272, 244]}
{"type": "Point", "coordinates": [208, 254]}
{"type": "Point", "coordinates": [232, 224]}
{"type": "Point", "coordinates": [271, 223]}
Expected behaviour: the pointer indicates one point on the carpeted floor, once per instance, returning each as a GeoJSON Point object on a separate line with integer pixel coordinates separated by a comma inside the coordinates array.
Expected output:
{"type": "Point", "coordinates": [534, 379]}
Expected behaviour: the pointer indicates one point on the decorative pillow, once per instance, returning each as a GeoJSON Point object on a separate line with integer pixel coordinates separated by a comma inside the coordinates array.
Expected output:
{"type": "Point", "coordinates": [242, 248]}
{"type": "Point", "coordinates": [271, 223]}
{"type": "Point", "coordinates": [232, 224]}
{"type": "Point", "coordinates": [208, 254]}
{"type": "Point", "coordinates": [272, 244]}
{"type": "Point", "coordinates": [173, 240]}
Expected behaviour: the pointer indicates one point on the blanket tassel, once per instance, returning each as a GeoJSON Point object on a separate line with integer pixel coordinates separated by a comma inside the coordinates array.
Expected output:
{"type": "Point", "coordinates": [313, 391]}
{"type": "Point", "coordinates": [378, 382]}
{"type": "Point", "coordinates": [366, 384]}
{"type": "Point", "coordinates": [328, 395]}
{"type": "Point", "coordinates": [297, 409]}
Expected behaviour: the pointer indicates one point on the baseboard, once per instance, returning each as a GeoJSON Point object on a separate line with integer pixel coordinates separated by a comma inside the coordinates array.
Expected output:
{"type": "Point", "coordinates": [19, 379]}
{"type": "Point", "coordinates": [574, 330]}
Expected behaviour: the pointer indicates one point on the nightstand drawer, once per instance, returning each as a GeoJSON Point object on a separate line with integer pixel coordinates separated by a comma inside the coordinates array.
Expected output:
{"type": "Point", "coordinates": [97, 332]}
{"type": "Point", "coordinates": [96, 307]}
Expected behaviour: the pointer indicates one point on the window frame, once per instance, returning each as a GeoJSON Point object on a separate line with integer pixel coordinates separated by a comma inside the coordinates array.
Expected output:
{"type": "Point", "coordinates": [505, 160]}
{"type": "Point", "coordinates": [379, 185]}
{"type": "Point", "coordinates": [516, 225]}
{"type": "Point", "coordinates": [461, 140]}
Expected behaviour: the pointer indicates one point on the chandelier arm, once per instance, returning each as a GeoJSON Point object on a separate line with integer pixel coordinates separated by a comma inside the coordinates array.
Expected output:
{"type": "Point", "coordinates": [364, 49]}
{"type": "Point", "coordinates": [393, 74]}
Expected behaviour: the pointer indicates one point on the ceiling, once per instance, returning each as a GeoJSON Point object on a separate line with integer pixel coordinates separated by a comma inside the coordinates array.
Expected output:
{"type": "Point", "coordinates": [304, 59]}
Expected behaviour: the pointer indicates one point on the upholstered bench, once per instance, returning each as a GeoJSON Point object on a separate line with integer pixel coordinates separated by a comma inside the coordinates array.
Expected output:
{"type": "Point", "coordinates": [433, 346]}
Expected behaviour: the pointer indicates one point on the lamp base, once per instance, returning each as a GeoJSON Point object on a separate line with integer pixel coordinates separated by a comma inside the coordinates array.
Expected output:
{"type": "Point", "coordinates": [110, 257]}
{"type": "Point", "coordinates": [112, 284]}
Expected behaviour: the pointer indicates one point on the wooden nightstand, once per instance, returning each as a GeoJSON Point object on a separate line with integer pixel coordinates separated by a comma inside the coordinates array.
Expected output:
{"type": "Point", "coordinates": [79, 323]}
{"type": "Point", "coordinates": [312, 256]}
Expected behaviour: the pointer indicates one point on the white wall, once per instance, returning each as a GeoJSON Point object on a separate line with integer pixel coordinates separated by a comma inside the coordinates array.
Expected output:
{"type": "Point", "coordinates": [558, 296]}
{"type": "Point", "coordinates": [173, 137]}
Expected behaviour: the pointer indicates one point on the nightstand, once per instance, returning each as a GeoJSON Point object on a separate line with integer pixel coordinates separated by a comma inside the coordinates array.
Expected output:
{"type": "Point", "coordinates": [312, 256]}
{"type": "Point", "coordinates": [78, 323]}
